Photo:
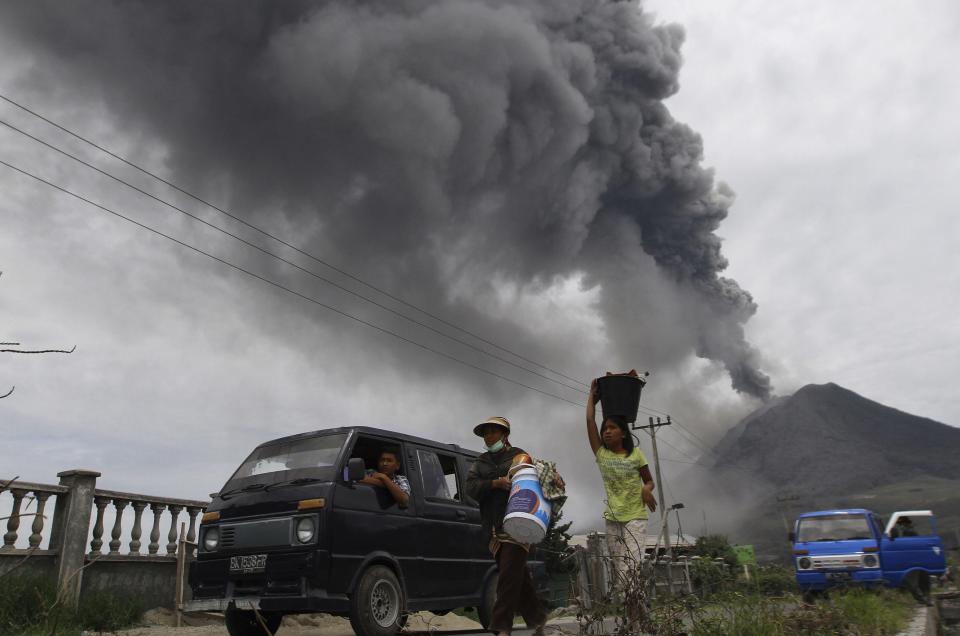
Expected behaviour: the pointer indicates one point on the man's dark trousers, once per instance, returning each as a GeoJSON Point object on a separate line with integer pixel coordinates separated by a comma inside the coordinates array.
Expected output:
{"type": "Point", "coordinates": [515, 591]}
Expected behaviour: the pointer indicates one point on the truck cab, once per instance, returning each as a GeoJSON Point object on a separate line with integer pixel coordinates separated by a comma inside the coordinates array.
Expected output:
{"type": "Point", "coordinates": [855, 546]}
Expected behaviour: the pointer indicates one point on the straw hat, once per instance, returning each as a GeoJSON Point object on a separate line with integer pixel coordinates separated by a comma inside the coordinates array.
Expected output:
{"type": "Point", "coordinates": [502, 422]}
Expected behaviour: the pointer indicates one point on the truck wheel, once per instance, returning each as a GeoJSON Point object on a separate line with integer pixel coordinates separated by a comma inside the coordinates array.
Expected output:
{"type": "Point", "coordinates": [919, 585]}
{"type": "Point", "coordinates": [376, 607]}
{"type": "Point", "coordinates": [485, 609]}
{"type": "Point", "coordinates": [812, 596]}
{"type": "Point", "coordinates": [245, 622]}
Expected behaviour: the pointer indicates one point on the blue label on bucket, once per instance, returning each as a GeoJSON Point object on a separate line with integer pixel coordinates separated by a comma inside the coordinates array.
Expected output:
{"type": "Point", "coordinates": [523, 501]}
{"type": "Point", "coordinates": [526, 497]}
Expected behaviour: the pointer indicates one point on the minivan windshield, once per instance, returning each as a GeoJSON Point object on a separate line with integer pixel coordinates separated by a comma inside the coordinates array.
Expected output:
{"type": "Point", "coordinates": [313, 455]}
{"type": "Point", "coordinates": [834, 528]}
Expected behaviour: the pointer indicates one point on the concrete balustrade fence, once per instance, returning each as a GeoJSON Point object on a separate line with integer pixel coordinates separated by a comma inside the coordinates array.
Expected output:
{"type": "Point", "coordinates": [59, 530]}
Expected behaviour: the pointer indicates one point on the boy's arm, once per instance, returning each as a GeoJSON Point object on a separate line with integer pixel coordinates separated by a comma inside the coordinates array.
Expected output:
{"type": "Point", "coordinates": [398, 494]}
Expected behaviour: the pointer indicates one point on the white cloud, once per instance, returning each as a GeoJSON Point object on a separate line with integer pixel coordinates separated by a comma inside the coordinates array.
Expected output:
{"type": "Point", "coordinates": [834, 123]}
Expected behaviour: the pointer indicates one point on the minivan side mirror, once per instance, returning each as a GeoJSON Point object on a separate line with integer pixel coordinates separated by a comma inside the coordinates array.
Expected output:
{"type": "Point", "coordinates": [356, 469]}
{"type": "Point", "coordinates": [792, 537]}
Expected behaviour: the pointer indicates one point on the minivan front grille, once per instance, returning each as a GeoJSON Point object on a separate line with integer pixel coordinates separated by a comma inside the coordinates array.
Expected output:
{"type": "Point", "coordinates": [228, 537]}
{"type": "Point", "coordinates": [262, 533]}
{"type": "Point", "coordinates": [837, 561]}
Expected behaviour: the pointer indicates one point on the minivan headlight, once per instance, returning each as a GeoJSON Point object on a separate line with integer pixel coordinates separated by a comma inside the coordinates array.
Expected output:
{"type": "Point", "coordinates": [870, 561]}
{"type": "Point", "coordinates": [804, 563]}
{"type": "Point", "coordinates": [211, 539]}
{"type": "Point", "coordinates": [306, 529]}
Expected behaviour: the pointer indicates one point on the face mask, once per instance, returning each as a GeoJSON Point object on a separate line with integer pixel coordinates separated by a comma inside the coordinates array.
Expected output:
{"type": "Point", "coordinates": [496, 447]}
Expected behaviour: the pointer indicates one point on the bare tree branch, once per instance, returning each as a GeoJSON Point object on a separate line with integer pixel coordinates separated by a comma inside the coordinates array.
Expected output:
{"type": "Point", "coordinates": [39, 350]}
{"type": "Point", "coordinates": [25, 558]}
{"type": "Point", "coordinates": [7, 485]}
{"type": "Point", "coordinates": [30, 351]}
{"type": "Point", "coordinates": [21, 515]}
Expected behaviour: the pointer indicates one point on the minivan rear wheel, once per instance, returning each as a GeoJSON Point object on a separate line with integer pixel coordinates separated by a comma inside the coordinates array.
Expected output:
{"type": "Point", "coordinates": [489, 598]}
{"type": "Point", "coordinates": [245, 622]}
{"type": "Point", "coordinates": [377, 605]}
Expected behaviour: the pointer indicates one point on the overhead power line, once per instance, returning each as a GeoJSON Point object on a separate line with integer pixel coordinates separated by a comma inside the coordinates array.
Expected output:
{"type": "Point", "coordinates": [281, 241]}
{"type": "Point", "coordinates": [307, 298]}
{"type": "Point", "coordinates": [298, 250]}
{"type": "Point", "coordinates": [281, 258]}
{"type": "Point", "coordinates": [280, 285]}
{"type": "Point", "coordinates": [688, 435]}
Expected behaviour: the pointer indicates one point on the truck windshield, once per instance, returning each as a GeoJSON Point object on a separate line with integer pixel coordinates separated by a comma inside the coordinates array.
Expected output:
{"type": "Point", "coordinates": [313, 455]}
{"type": "Point", "coordinates": [834, 528]}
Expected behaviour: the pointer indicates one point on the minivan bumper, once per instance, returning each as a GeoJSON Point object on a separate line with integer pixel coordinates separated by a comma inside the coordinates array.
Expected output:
{"type": "Point", "coordinates": [338, 604]}
{"type": "Point", "coordinates": [821, 580]}
{"type": "Point", "coordinates": [291, 582]}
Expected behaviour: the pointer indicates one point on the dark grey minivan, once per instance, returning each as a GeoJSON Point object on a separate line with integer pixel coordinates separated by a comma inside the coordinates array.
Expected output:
{"type": "Point", "coordinates": [293, 531]}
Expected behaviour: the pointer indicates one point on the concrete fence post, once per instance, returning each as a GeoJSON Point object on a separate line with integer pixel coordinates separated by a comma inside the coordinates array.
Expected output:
{"type": "Point", "coordinates": [71, 524]}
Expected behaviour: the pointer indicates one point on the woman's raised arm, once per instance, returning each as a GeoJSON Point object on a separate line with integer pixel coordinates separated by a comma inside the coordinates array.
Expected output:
{"type": "Point", "coordinates": [592, 434]}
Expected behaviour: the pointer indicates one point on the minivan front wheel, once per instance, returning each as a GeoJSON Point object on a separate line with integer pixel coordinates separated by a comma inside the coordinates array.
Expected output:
{"type": "Point", "coordinates": [247, 623]}
{"type": "Point", "coordinates": [487, 601]}
{"type": "Point", "coordinates": [377, 605]}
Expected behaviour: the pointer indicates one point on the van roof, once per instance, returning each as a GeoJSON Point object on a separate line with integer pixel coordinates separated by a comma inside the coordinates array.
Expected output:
{"type": "Point", "coordinates": [843, 511]}
{"type": "Point", "coordinates": [375, 431]}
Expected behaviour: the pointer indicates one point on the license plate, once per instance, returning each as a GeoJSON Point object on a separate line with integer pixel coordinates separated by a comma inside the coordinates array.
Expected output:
{"type": "Point", "coordinates": [838, 576]}
{"type": "Point", "coordinates": [248, 564]}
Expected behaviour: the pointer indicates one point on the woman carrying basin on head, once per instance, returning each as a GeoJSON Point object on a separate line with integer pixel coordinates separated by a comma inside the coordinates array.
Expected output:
{"type": "Point", "coordinates": [628, 483]}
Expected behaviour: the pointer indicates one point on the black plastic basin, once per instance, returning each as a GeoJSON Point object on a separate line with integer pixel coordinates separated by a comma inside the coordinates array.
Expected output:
{"type": "Point", "coordinates": [620, 395]}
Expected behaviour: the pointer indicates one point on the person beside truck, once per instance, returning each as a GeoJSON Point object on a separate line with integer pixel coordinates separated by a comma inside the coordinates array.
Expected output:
{"type": "Point", "coordinates": [487, 483]}
{"type": "Point", "coordinates": [904, 528]}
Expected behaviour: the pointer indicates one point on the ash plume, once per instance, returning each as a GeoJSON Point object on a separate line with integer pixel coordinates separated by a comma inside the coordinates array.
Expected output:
{"type": "Point", "coordinates": [432, 147]}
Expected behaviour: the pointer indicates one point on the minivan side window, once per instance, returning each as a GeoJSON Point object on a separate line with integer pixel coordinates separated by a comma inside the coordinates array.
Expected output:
{"type": "Point", "coordinates": [439, 474]}
{"type": "Point", "coordinates": [369, 450]}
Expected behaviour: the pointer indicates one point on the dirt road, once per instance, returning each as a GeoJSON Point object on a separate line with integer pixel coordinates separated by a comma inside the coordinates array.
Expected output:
{"type": "Point", "coordinates": [160, 622]}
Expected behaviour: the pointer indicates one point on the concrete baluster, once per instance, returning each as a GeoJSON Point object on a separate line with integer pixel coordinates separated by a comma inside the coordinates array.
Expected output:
{"type": "Point", "coordinates": [193, 511]}
{"type": "Point", "coordinates": [157, 509]}
{"type": "Point", "coordinates": [192, 531]}
{"type": "Point", "coordinates": [115, 542]}
{"type": "Point", "coordinates": [13, 523]}
{"type": "Point", "coordinates": [135, 532]}
{"type": "Point", "coordinates": [38, 520]}
{"type": "Point", "coordinates": [172, 535]}
{"type": "Point", "coordinates": [97, 542]}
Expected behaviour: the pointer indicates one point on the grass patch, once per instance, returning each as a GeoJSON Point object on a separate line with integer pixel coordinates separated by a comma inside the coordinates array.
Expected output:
{"type": "Point", "coordinates": [747, 616]}
{"type": "Point", "coordinates": [876, 612]}
{"type": "Point", "coordinates": [856, 611]}
{"type": "Point", "coordinates": [28, 607]}
{"type": "Point", "coordinates": [770, 580]}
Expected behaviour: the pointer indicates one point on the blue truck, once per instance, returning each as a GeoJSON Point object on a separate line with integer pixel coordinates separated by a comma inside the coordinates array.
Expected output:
{"type": "Point", "coordinates": [855, 547]}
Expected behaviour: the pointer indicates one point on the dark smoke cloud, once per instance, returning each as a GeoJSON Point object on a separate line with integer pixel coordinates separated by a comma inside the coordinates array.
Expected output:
{"type": "Point", "coordinates": [432, 146]}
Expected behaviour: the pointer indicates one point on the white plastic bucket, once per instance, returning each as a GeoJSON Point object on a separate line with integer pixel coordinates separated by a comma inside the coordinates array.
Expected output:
{"type": "Point", "coordinates": [528, 513]}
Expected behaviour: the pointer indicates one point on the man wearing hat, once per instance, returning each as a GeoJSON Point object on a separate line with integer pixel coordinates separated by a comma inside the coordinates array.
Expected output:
{"type": "Point", "coordinates": [488, 484]}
